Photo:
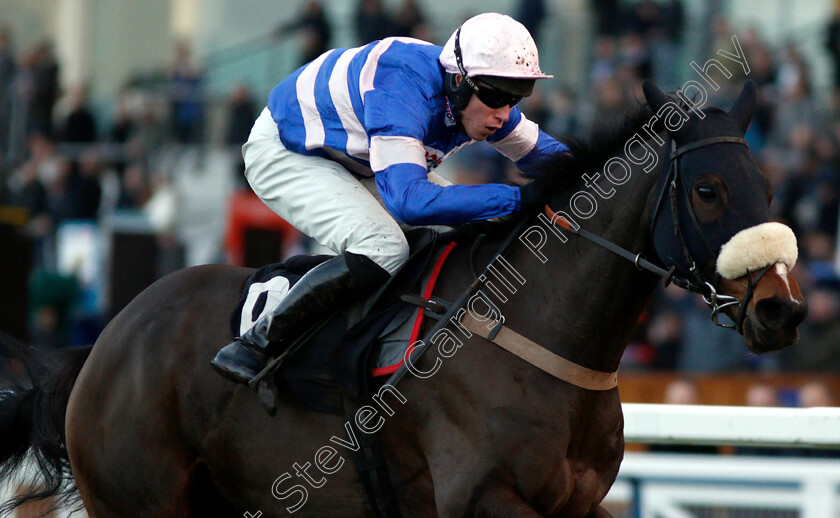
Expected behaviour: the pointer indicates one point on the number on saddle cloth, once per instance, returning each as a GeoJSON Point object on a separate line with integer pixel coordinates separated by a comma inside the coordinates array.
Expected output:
{"type": "Point", "coordinates": [267, 286]}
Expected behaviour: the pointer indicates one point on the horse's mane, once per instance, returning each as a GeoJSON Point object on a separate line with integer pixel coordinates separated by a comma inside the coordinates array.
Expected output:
{"type": "Point", "coordinates": [588, 155]}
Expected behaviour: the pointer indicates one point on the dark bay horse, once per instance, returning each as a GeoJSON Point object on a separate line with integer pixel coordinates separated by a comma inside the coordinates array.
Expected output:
{"type": "Point", "coordinates": [151, 430]}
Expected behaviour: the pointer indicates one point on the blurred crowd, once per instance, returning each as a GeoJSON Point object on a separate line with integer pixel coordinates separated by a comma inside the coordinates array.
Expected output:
{"type": "Point", "coordinates": [62, 161]}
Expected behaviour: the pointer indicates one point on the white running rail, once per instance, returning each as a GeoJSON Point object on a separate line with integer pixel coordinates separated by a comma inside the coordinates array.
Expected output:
{"type": "Point", "coordinates": [660, 485]}
{"type": "Point", "coordinates": [731, 425]}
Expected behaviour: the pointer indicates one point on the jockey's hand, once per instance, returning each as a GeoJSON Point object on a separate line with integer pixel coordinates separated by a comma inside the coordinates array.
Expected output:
{"type": "Point", "coordinates": [532, 197]}
{"type": "Point", "coordinates": [488, 227]}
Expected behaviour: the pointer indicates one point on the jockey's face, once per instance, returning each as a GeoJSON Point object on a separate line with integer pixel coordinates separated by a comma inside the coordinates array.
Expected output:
{"type": "Point", "coordinates": [479, 120]}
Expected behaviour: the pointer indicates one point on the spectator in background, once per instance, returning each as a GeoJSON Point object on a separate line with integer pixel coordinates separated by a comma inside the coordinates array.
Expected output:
{"type": "Point", "coordinates": [8, 64]}
{"type": "Point", "coordinates": [812, 395]}
{"type": "Point", "coordinates": [762, 395]}
{"type": "Point", "coordinates": [816, 394]}
{"type": "Point", "coordinates": [682, 391]}
{"type": "Point", "coordinates": [634, 55]}
{"type": "Point", "coordinates": [372, 22]}
{"type": "Point", "coordinates": [642, 18]}
{"type": "Point", "coordinates": [52, 302]}
{"type": "Point", "coordinates": [242, 111]}
{"type": "Point", "coordinates": [27, 191]}
{"type": "Point", "coordinates": [763, 72]}
{"type": "Point", "coordinates": [39, 185]}
{"type": "Point", "coordinates": [797, 104]}
{"type": "Point", "coordinates": [83, 190]}
{"type": "Point", "coordinates": [409, 20]}
{"type": "Point", "coordinates": [607, 19]}
{"type": "Point", "coordinates": [818, 349]}
{"type": "Point", "coordinates": [149, 134]}
{"type": "Point", "coordinates": [122, 129]}
{"type": "Point", "coordinates": [604, 61]}
{"type": "Point", "coordinates": [8, 67]}
{"type": "Point", "coordinates": [833, 43]}
{"type": "Point", "coordinates": [20, 93]}
{"type": "Point", "coordinates": [663, 39]}
{"type": "Point", "coordinates": [562, 113]}
{"type": "Point", "coordinates": [314, 29]}
{"type": "Point", "coordinates": [31, 181]}
{"type": "Point", "coordinates": [79, 125]}
{"type": "Point", "coordinates": [664, 334]}
{"type": "Point", "coordinates": [536, 105]}
{"type": "Point", "coordinates": [706, 347]}
{"type": "Point", "coordinates": [809, 201]}
{"type": "Point", "coordinates": [136, 189]}
{"type": "Point", "coordinates": [532, 14]}
{"type": "Point", "coordinates": [818, 249]}
{"type": "Point", "coordinates": [610, 101]}
{"type": "Point", "coordinates": [44, 89]}
{"type": "Point", "coordinates": [137, 128]}
{"type": "Point", "coordinates": [185, 97]}
{"type": "Point", "coordinates": [122, 126]}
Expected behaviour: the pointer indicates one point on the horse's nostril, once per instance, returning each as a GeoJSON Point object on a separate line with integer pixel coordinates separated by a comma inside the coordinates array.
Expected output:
{"type": "Point", "coordinates": [773, 312]}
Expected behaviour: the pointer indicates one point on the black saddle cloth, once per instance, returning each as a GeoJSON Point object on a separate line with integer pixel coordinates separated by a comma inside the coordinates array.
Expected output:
{"type": "Point", "coordinates": [336, 361]}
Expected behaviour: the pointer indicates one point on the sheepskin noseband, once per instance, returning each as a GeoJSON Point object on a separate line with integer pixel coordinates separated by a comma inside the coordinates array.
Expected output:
{"type": "Point", "coordinates": [756, 247]}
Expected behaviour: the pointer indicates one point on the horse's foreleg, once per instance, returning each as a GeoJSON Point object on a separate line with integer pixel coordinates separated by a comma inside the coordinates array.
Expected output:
{"type": "Point", "coordinates": [502, 503]}
{"type": "Point", "coordinates": [599, 512]}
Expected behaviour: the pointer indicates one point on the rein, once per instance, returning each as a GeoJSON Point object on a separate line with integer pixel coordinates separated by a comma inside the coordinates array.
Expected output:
{"type": "Point", "coordinates": [698, 284]}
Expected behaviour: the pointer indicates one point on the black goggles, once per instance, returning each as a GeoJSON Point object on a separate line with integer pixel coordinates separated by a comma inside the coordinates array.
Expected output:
{"type": "Point", "coordinates": [492, 97]}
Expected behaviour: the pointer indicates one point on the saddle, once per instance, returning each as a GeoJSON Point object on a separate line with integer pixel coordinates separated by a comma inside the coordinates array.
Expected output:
{"type": "Point", "coordinates": [363, 340]}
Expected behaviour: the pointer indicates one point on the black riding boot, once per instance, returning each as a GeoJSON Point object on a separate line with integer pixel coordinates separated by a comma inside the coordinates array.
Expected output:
{"type": "Point", "coordinates": [325, 287]}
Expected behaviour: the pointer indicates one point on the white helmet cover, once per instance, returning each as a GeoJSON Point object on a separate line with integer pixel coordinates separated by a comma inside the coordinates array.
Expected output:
{"type": "Point", "coordinates": [496, 45]}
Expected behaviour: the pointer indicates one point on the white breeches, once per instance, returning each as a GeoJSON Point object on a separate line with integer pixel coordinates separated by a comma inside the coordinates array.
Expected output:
{"type": "Point", "coordinates": [321, 198]}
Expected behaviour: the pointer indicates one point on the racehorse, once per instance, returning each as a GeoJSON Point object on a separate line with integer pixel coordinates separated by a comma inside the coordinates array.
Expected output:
{"type": "Point", "coordinates": [148, 429]}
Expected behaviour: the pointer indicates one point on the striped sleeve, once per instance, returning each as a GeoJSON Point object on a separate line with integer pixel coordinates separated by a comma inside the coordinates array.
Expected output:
{"type": "Point", "coordinates": [388, 150]}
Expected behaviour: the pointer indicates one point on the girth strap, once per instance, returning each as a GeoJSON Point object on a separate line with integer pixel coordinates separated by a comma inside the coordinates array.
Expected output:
{"type": "Point", "coordinates": [540, 357]}
{"type": "Point", "coordinates": [370, 463]}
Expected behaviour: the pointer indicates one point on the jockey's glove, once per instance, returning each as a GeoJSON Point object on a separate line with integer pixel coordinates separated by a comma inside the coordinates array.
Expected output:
{"type": "Point", "coordinates": [490, 227]}
{"type": "Point", "coordinates": [532, 197]}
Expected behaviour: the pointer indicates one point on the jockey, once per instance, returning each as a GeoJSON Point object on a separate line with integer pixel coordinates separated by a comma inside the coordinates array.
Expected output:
{"type": "Point", "coordinates": [392, 109]}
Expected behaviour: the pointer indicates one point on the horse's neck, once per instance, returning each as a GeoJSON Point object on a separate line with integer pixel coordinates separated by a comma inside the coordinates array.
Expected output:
{"type": "Point", "coordinates": [585, 301]}
{"type": "Point", "coordinates": [624, 218]}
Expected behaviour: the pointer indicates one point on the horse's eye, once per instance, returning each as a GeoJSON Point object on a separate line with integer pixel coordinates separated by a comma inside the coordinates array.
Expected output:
{"type": "Point", "coordinates": [706, 192]}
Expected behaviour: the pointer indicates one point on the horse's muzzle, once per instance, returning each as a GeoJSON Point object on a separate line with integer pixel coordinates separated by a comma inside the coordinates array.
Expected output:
{"type": "Point", "coordinates": [773, 323]}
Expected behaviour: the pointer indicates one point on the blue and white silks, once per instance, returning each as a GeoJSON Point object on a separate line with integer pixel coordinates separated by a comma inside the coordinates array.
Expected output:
{"type": "Point", "coordinates": [381, 110]}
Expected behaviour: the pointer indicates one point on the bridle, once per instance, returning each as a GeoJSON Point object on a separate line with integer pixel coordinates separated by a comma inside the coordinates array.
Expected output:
{"type": "Point", "coordinates": [674, 188]}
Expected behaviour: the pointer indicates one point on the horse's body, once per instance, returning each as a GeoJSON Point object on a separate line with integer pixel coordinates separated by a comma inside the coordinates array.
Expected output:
{"type": "Point", "coordinates": [153, 431]}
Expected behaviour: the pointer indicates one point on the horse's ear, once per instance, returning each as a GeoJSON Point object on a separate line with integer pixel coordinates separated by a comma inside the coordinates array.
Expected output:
{"type": "Point", "coordinates": [742, 110]}
{"type": "Point", "coordinates": [654, 96]}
